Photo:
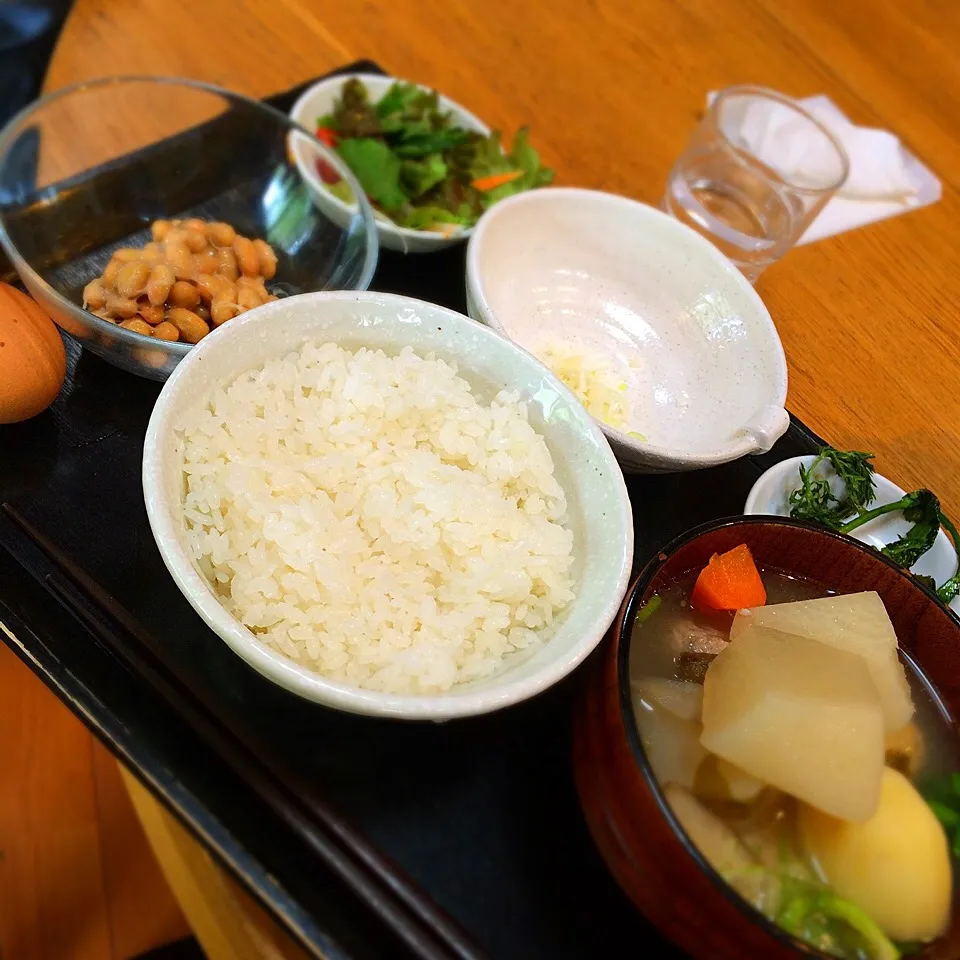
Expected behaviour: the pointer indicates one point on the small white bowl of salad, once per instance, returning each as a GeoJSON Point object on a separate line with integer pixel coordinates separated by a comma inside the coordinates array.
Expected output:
{"type": "Point", "coordinates": [429, 167]}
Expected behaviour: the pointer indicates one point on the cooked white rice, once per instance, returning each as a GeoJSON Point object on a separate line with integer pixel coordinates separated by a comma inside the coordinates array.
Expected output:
{"type": "Point", "coordinates": [370, 518]}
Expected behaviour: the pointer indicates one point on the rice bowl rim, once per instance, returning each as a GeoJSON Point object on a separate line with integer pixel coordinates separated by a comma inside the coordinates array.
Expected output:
{"type": "Point", "coordinates": [468, 699]}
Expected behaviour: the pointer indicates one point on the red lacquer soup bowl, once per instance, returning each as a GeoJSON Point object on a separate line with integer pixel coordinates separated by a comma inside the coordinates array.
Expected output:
{"type": "Point", "coordinates": [638, 836]}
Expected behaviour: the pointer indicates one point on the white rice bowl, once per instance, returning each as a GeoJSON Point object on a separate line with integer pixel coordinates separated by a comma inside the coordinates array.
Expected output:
{"type": "Point", "coordinates": [370, 518]}
{"type": "Point", "coordinates": [598, 516]}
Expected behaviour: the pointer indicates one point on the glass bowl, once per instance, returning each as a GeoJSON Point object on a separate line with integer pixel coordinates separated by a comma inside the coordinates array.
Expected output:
{"type": "Point", "coordinates": [84, 172]}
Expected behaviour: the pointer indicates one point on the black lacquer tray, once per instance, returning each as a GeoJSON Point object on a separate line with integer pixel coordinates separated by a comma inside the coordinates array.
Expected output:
{"type": "Point", "coordinates": [479, 816]}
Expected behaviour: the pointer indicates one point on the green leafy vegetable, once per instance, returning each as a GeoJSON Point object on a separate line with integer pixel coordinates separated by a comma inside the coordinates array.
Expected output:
{"type": "Point", "coordinates": [922, 509]}
{"type": "Point", "coordinates": [408, 111]}
{"type": "Point", "coordinates": [812, 500]}
{"type": "Point", "coordinates": [417, 164]}
{"type": "Point", "coordinates": [418, 176]}
{"type": "Point", "coordinates": [943, 798]}
{"type": "Point", "coordinates": [429, 218]}
{"type": "Point", "coordinates": [817, 916]}
{"type": "Point", "coordinates": [432, 141]}
{"type": "Point", "coordinates": [648, 609]}
{"type": "Point", "coordinates": [950, 588]}
{"type": "Point", "coordinates": [815, 501]}
{"type": "Point", "coordinates": [948, 816]}
{"type": "Point", "coordinates": [463, 156]}
{"type": "Point", "coordinates": [907, 947]}
{"type": "Point", "coordinates": [525, 158]}
{"type": "Point", "coordinates": [490, 159]}
{"type": "Point", "coordinates": [377, 169]}
{"type": "Point", "coordinates": [811, 912]}
{"type": "Point", "coordinates": [353, 115]}
{"type": "Point", "coordinates": [487, 157]}
{"type": "Point", "coordinates": [400, 99]}
{"type": "Point", "coordinates": [413, 124]}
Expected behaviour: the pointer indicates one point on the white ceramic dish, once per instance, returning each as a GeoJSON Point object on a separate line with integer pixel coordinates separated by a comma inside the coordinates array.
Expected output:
{"type": "Point", "coordinates": [770, 495]}
{"type": "Point", "coordinates": [627, 280]}
{"type": "Point", "coordinates": [317, 101]}
{"type": "Point", "coordinates": [599, 508]}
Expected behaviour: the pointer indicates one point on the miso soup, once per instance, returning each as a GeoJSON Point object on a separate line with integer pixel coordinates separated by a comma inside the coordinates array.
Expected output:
{"type": "Point", "coordinates": [797, 750]}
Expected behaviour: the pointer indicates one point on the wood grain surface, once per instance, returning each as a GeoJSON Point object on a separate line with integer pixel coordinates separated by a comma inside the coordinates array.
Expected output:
{"type": "Point", "coordinates": [227, 923]}
{"type": "Point", "coordinates": [612, 88]}
{"type": "Point", "coordinates": [77, 878]}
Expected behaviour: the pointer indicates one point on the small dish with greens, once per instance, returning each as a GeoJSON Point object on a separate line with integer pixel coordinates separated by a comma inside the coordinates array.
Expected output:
{"type": "Point", "coordinates": [429, 167]}
{"type": "Point", "coordinates": [840, 490]}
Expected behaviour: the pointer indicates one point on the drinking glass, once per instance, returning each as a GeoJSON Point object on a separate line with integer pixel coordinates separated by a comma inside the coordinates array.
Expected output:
{"type": "Point", "coordinates": [755, 174]}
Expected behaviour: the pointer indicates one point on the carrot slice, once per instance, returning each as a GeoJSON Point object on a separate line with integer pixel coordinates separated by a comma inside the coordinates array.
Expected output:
{"type": "Point", "coordinates": [730, 581]}
{"type": "Point", "coordinates": [495, 180]}
{"type": "Point", "coordinates": [328, 136]}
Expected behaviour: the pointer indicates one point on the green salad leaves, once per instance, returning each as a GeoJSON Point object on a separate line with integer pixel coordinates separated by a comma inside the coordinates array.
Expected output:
{"type": "Point", "coordinates": [377, 168]}
{"type": "Point", "coordinates": [419, 168]}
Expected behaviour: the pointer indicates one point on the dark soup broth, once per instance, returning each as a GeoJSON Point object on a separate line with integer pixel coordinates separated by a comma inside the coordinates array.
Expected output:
{"type": "Point", "coordinates": [790, 846]}
{"type": "Point", "coordinates": [681, 641]}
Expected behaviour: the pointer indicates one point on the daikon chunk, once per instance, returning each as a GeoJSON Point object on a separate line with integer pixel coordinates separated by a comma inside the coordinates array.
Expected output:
{"type": "Point", "coordinates": [800, 715]}
{"type": "Point", "coordinates": [855, 622]}
{"type": "Point", "coordinates": [679, 697]}
{"type": "Point", "coordinates": [672, 745]}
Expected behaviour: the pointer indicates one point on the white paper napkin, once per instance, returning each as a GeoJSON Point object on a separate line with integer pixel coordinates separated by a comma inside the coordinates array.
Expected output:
{"type": "Point", "coordinates": [885, 179]}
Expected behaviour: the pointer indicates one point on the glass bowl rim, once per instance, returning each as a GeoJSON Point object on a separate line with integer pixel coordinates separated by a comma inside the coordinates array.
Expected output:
{"type": "Point", "coordinates": [177, 349]}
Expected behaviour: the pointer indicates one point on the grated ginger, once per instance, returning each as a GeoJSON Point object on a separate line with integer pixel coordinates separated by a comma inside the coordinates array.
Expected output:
{"type": "Point", "coordinates": [592, 380]}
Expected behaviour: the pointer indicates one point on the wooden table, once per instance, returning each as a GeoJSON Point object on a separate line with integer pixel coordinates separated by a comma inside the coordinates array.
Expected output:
{"type": "Point", "coordinates": [612, 89]}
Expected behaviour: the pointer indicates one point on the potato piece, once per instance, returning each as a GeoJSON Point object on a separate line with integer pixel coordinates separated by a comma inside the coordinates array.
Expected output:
{"type": "Point", "coordinates": [856, 622]}
{"type": "Point", "coordinates": [710, 835]}
{"type": "Point", "coordinates": [718, 779]}
{"type": "Point", "coordinates": [672, 745]}
{"type": "Point", "coordinates": [896, 866]}
{"type": "Point", "coordinates": [682, 699]}
{"type": "Point", "coordinates": [800, 715]}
